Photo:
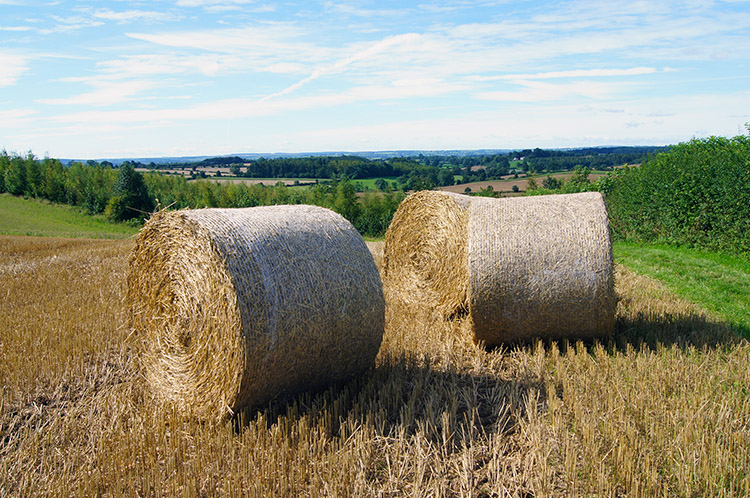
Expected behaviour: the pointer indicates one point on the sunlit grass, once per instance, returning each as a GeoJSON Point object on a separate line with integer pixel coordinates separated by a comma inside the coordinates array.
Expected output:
{"type": "Point", "coordinates": [720, 282]}
{"type": "Point", "coordinates": [20, 216]}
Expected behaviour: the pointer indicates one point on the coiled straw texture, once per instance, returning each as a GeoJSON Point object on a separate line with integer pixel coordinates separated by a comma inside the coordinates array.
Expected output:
{"type": "Point", "coordinates": [235, 307]}
{"type": "Point", "coordinates": [517, 268]}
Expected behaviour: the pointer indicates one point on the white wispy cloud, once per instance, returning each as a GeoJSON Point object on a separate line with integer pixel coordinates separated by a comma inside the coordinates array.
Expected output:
{"type": "Point", "coordinates": [223, 5]}
{"type": "Point", "coordinates": [537, 91]}
{"type": "Point", "coordinates": [106, 93]}
{"type": "Point", "coordinates": [70, 23]}
{"type": "Point", "coordinates": [10, 116]}
{"type": "Point", "coordinates": [439, 9]}
{"type": "Point", "coordinates": [277, 48]}
{"type": "Point", "coordinates": [576, 73]}
{"type": "Point", "coordinates": [362, 55]}
{"type": "Point", "coordinates": [244, 108]}
{"type": "Point", "coordinates": [209, 3]}
{"type": "Point", "coordinates": [264, 39]}
{"type": "Point", "coordinates": [155, 64]}
{"type": "Point", "coordinates": [134, 15]}
{"type": "Point", "coordinates": [355, 10]}
{"type": "Point", "coordinates": [13, 66]}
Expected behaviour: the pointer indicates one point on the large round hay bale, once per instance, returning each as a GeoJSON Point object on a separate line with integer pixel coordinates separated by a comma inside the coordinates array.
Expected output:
{"type": "Point", "coordinates": [234, 307]}
{"type": "Point", "coordinates": [520, 268]}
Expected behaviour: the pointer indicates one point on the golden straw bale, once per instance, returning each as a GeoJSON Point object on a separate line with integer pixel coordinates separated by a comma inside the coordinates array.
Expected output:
{"type": "Point", "coordinates": [234, 307]}
{"type": "Point", "coordinates": [517, 268]}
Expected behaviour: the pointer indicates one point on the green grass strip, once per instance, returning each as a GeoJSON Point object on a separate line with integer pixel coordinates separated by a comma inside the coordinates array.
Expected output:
{"type": "Point", "coordinates": [717, 282]}
{"type": "Point", "coordinates": [19, 216]}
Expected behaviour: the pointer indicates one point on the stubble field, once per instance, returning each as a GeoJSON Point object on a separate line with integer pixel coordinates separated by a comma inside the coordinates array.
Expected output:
{"type": "Point", "coordinates": [663, 409]}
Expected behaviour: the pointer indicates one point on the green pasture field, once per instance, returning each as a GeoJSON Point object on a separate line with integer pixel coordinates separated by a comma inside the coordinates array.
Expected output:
{"type": "Point", "coordinates": [370, 182]}
{"type": "Point", "coordinates": [19, 216]}
{"type": "Point", "coordinates": [719, 283]}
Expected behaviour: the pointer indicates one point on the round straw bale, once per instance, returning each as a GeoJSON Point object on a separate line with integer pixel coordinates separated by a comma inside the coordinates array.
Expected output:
{"type": "Point", "coordinates": [234, 307]}
{"type": "Point", "coordinates": [520, 267]}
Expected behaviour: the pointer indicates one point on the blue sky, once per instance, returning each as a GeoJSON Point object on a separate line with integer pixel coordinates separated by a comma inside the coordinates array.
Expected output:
{"type": "Point", "coordinates": [104, 79]}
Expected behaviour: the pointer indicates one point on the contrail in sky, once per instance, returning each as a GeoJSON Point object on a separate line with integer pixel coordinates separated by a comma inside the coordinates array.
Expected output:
{"type": "Point", "coordinates": [375, 49]}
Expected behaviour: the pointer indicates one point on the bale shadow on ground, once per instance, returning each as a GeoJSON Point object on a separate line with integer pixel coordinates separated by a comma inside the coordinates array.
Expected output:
{"type": "Point", "coordinates": [403, 396]}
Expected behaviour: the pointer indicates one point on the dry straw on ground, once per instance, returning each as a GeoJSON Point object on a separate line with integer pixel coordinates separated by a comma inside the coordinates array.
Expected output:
{"type": "Point", "coordinates": [233, 307]}
{"type": "Point", "coordinates": [518, 268]}
{"type": "Point", "coordinates": [663, 410]}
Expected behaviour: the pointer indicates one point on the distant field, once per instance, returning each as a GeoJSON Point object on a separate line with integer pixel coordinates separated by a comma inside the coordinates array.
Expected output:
{"type": "Point", "coordinates": [506, 185]}
{"type": "Point", "coordinates": [370, 182]}
{"type": "Point", "coordinates": [265, 181]}
{"type": "Point", "coordinates": [20, 216]}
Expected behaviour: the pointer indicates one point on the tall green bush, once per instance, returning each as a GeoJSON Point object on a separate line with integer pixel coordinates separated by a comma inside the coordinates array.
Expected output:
{"type": "Point", "coordinates": [131, 199]}
{"type": "Point", "coordinates": [696, 194]}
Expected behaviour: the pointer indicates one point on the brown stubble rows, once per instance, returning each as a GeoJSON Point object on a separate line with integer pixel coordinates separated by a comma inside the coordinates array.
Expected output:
{"type": "Point", "coordinates": [662, 409]}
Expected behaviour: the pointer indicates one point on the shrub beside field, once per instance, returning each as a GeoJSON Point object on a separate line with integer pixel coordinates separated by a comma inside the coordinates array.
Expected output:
{"type": "Point", "coordinates": [698, 194]}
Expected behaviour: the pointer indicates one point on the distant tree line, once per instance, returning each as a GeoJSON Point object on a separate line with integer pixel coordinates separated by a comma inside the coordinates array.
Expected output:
{"type": "Point", "coordinates": [124, 194]}
{"type": "Point", "coordinates": [421, 171]}
{"type": "Point", "coordinates": [592, 158]}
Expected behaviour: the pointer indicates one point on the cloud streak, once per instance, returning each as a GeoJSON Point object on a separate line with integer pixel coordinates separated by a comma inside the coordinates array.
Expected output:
{"type": "Point", "coordinates": [13, 66]}
{"type": "Point", "coordinates": [536, 91]}
{"type": "Point", "coordinates": [363, 55]}
{"type": "Point", "coordinates": [134, 15]}
{"type": "Point", "coordinates": [107, 93]}
{"type": "Point", "coordinates": [578, 73]}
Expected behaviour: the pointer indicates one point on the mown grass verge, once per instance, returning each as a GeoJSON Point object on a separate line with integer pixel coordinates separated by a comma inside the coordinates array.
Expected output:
{"type": "Point", "coordinates": [19, 216]}
{"type": "Point", "coordinates": [718, 282]}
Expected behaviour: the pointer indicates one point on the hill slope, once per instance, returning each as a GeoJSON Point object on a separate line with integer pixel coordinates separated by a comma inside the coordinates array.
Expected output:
{"type": "Point", "coordinates": [20, 216]}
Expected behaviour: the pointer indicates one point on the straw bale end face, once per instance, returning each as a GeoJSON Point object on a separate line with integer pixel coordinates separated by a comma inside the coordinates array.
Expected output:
{"type": "Point", "coordinates": [233, 307]}
{"type": "Point", "coordinates": [425, 258]}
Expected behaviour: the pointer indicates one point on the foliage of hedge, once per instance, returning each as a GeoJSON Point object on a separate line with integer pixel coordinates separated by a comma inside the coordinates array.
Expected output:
{"type": "Point", "coordinates": [696, 194]}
